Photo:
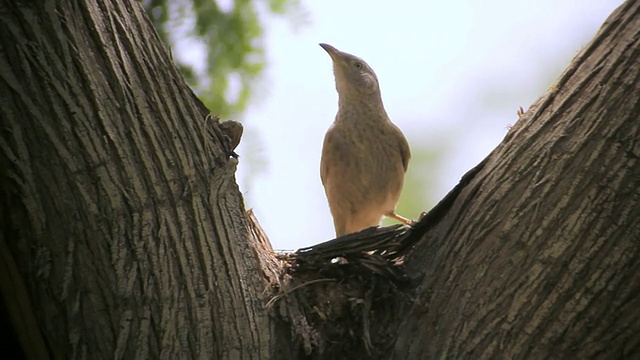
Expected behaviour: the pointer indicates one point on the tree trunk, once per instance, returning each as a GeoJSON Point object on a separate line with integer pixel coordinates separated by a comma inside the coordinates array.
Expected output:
{"type": "Point", "coordinates": [539, 254]}
{"type": "Point", "coordinates": [123, 234]}
{"type": "Point", "coordinates": [120, 209]}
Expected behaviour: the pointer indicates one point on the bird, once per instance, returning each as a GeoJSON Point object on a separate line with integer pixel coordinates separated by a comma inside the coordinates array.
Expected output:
{"type": "Point", "coordinates": [364, 155]}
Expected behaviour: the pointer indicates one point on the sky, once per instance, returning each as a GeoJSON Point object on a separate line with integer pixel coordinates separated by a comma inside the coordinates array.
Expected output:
{"type": "Point", "coordinates": [452, 76]}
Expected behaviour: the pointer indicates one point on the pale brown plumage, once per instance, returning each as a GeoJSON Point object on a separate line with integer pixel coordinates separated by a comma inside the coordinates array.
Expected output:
{"type": "Point", "coordinates": [364, 155]}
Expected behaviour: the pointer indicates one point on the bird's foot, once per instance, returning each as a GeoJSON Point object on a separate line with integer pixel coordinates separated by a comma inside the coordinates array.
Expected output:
{"type": "Point", "coordinates": [401, 218]}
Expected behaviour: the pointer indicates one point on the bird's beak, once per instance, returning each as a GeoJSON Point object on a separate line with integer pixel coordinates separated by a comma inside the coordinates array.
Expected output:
{"type": "Point", "coordinates": [333, 52]}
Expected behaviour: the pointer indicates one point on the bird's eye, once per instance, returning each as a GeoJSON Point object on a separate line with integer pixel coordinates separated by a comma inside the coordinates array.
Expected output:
{"type": "Point", "coordinates": [358, 65]}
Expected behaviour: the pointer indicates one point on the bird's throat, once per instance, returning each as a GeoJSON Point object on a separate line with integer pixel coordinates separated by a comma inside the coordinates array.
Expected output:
{"type": "Point", "coordinates": [361, 104]}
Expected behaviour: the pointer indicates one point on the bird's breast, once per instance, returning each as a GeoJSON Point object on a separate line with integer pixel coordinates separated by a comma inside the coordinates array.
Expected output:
{"type": "Point", "coordinates": [365, 154]}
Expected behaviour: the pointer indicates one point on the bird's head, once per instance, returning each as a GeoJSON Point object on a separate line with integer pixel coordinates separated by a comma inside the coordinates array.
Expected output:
{"type": "Point", "coordinates": [355, 79]}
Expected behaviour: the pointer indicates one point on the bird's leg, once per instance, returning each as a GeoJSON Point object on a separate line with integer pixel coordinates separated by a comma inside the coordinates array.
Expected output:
{"type": "Point", "coordinates": [400, 218]}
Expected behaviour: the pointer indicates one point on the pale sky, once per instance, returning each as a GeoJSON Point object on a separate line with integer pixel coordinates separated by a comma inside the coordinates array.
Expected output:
{"type": "Point", "coordinates": [452, 74]}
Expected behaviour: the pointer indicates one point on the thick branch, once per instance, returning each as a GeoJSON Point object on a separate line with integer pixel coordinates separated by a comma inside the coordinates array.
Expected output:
{"type": "Point", "coordinates": [122, 212]}
{"type": "Point", "coordinates": [539, 255]}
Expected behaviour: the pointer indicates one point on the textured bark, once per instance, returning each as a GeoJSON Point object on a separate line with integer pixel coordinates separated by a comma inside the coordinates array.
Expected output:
{"type": "Point", "coordinates": [119, 210]}
{"type": "Point", "coordinates": [123, 235]}
{"type": "Point", "coordinates": [539, 255]}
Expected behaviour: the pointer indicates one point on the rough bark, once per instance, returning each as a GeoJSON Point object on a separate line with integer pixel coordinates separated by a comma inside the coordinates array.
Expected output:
{"type": "Point", "coordinates": [123, 235]}
{"type": "Point", "coordinates": [539, 255]}
{"type": "Point", "coordinates": [120, 211]}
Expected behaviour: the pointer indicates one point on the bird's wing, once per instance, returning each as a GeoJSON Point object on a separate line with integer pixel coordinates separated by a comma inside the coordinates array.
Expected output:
{"type": "Point", "coordinates": [326, 153]}
{"type": "Point", "coordinates": [324, 170]}
{"type": "Point", "coordinates": [405, 152]}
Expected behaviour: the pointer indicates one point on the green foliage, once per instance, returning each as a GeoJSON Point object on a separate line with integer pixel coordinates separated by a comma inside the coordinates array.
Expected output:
{"type": "Point", "coordinates": [229, 33]}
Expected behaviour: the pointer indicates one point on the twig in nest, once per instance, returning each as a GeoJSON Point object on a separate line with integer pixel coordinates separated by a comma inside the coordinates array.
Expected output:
{"type": "Point", "coordinates": [289, 291]}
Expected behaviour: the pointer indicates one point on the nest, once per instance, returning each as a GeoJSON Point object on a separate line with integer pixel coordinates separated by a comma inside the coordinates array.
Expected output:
{"type": "Point", "coordinates": [331, 293]}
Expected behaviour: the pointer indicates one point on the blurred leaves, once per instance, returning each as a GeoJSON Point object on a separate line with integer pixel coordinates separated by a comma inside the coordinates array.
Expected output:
{"type": "Point", "coordinates": [218, 45]}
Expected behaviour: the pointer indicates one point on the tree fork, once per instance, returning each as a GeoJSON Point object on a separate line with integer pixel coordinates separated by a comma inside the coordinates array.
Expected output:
{"type": "Point", "coordinates": [123, 221]}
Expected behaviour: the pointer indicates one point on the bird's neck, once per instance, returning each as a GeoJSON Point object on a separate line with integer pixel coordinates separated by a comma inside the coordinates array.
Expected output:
{"type": "Point", "coordinates": [370, 106]}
